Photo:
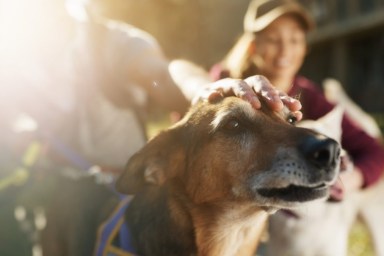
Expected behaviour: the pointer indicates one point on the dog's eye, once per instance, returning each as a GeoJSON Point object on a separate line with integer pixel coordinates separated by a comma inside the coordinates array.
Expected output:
{"type": "Point", "coordinates": [292, 119]}
{"type": "Point", "coordinates": [232, 125]}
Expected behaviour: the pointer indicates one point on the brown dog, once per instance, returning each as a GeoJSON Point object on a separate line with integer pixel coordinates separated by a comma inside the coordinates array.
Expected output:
{"type": "Point", "coordinates": [206, 185]}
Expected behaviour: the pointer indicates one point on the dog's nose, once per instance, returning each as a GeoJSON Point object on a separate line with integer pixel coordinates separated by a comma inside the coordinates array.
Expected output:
{"type": "Point", "coordinates": [321, 152]}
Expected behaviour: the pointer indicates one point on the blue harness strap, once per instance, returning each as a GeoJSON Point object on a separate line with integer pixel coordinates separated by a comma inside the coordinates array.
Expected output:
{"type": "Point", "coordinates": [115, 229]}
{"type": "Point", "coordinates": [67, 152]}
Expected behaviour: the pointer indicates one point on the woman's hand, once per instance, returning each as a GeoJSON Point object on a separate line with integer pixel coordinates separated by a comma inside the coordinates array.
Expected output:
{"type": "Point", "coordinates": [350, 179]}
{"type": "Point", "coordinates": [250, 90]}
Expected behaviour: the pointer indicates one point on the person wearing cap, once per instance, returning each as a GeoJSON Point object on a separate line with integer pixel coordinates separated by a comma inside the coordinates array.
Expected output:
{"type": "Point", "coordinates": [274, 45]}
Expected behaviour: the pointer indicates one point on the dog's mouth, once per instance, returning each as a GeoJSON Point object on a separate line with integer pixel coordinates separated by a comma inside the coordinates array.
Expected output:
{"type": "Point", "coordinates": [294, 193]}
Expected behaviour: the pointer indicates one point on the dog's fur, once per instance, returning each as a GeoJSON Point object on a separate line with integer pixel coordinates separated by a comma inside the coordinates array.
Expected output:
{"type": "Point", "coordinates": [322, 228]}
{"type": "Point", "coordinates": [206, 185]}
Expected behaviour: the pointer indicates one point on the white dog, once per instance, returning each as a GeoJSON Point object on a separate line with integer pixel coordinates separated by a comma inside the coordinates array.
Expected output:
{"type": "Point", "coordinates": [322, 228]}
{"type": "Point", "coordinates": [334, 92]}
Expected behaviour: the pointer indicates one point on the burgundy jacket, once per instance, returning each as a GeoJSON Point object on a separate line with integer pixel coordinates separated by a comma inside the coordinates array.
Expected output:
{"type": "Point", "coordinates": [367, 153]}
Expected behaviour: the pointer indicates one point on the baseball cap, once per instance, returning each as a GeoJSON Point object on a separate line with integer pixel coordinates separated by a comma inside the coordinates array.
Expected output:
{"type": "Point", "coordinates": [261, 13]}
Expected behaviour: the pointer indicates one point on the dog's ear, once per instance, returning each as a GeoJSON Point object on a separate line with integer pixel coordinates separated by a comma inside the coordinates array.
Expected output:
{"type": "Point", "coordinates": [332, 121]}
{"type": "Point", "coordinates": [160, 159]}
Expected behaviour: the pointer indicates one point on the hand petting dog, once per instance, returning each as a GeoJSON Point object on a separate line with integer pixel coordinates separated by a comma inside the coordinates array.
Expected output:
{"type": "Point", "coordinates": [250, 90]}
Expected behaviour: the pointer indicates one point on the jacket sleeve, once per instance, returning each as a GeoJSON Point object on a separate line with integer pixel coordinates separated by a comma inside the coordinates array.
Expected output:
{"type": "Point", "coordinates": [367, 153]}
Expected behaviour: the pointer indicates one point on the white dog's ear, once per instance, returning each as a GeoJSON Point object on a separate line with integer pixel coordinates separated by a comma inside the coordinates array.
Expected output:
{"type": "Point", "coordinates": [332, 123]}
{"type": "Point", "coordinates": [335, 93]}
{"type": "Point", "coordinates": [159, 160]}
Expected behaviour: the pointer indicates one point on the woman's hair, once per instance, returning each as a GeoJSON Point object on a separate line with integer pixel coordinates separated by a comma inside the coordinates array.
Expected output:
{"type": "Point", "coordinates": [238, 61]}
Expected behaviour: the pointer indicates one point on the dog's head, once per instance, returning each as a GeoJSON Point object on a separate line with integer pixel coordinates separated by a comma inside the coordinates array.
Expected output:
{"type": "Point", "coordinates": [329, 124]}
{"type": "Point", "coordinates": [227, 151]}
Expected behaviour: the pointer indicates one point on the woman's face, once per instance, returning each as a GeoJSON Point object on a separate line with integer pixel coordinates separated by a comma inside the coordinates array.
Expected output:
{"type": "Point", "coordinates": [280, 48]}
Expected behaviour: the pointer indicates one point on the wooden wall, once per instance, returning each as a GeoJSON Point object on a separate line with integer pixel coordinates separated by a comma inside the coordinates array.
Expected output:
{"type": "Point", "coordinates": [349, 45]}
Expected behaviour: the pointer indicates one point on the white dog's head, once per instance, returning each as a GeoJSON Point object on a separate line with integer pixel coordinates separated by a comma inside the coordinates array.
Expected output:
{"type": "Point", "coordinates": [329, 125]}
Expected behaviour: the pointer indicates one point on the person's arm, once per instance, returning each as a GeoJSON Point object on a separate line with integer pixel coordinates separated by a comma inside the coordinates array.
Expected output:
{"type": "Point", "coordinates": [150, 70]}
{"type": "Point", "coordinates": [250, 89]}
{"type": "Point", "coordinates": [195, 83]}
{"type": "Point", "coordinates": [175, 83]}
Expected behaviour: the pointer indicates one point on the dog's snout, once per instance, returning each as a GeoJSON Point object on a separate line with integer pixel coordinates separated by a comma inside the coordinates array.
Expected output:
{"type": "Point", "coordinates": [320, 151]}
